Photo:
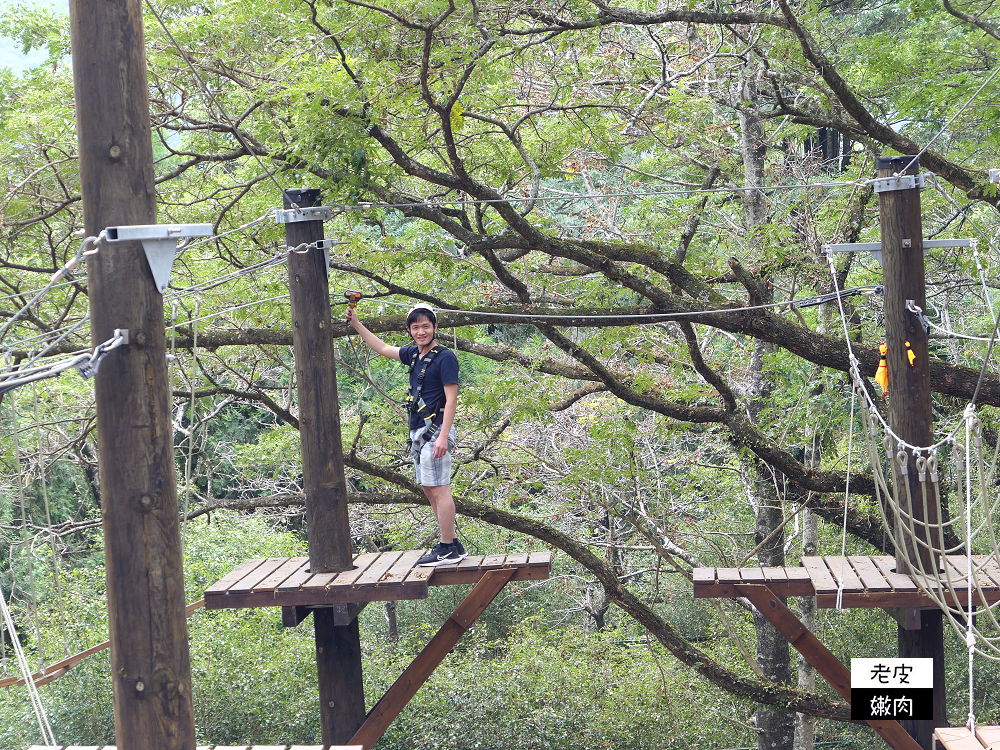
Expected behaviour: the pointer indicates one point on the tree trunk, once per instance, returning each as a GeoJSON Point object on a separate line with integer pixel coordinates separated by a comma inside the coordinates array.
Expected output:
{"type": "Point", "coordinates": [805, 726]}
{"type": "Point", "coordinates": [775, 729]}
{"type": "Point", "coordinates": [390, 617]}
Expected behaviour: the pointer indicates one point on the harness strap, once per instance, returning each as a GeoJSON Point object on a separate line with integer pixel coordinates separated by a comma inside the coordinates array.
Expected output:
{"type": "Point", "coordinates": [417, 404]}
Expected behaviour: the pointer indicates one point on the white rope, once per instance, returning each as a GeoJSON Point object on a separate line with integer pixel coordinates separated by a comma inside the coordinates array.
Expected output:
{"type": "Point", "coordinates": [48, 737]}
{"type": "Point", "coordinates": [970, 636]}
{"type": "Point", "coordinates": [847, 497]}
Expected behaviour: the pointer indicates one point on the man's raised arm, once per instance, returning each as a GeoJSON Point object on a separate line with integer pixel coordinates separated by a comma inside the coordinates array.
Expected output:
{"type": "Point", "coordinates": [377, 344]}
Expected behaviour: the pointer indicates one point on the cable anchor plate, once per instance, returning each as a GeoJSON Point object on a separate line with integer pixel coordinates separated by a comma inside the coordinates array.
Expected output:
{"type": "Point", "coordinates": [292, 215]}
{"type": "Point", "coordinates": [161, 243]}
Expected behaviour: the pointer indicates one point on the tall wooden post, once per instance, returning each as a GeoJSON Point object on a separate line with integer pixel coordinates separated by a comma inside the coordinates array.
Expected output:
{"type": "Point", "coordinates": [910, 408]}
{"type": "Point", "coordinates": [338, 648]}
{"type": "Point", "coordinates": [147, 624]}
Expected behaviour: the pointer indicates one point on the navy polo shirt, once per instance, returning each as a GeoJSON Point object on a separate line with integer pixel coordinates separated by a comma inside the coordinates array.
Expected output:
{"type": "Point", "coordinates": [442, 371]}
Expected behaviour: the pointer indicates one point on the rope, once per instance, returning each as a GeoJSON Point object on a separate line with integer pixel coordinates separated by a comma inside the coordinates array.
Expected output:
{"type": "Point", "coordinates": [48, 522]}
{"type": "Point", "coordinates": [24, 531]}
{"type": "Point", "coordinates": [970, 637]}
{"type": "Point", "coordinates": [191, 422]}
{"type": "Point", "coordinates": [847, 496]}
{"type": "Point", "coordinates": [48, 737]}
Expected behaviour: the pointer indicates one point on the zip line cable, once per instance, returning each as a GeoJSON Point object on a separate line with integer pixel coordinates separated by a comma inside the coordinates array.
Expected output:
{"type": "Point", "coordinates": [948, 124]}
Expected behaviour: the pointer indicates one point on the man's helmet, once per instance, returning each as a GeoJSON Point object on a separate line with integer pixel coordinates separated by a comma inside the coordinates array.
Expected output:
{"type": "Point", "coordinates": [421, 309]}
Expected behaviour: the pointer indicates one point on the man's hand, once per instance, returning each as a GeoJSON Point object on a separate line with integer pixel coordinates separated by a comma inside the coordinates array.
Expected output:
{"type": "Point", "coordinates": [440, 446]}
{"type": "Point", "coordinates": [352, 318]}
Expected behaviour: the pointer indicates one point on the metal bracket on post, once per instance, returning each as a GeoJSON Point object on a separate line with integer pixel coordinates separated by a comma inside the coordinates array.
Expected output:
{"type": "Point", "coordinates": [292, 215]}
{"type": "Point", "coordinates": [161, 243]}
{"type": "Point", "coordinates": [325, 246]}
{"type": "Point", "coordinates": [875, 248]}
{"type": "Point", "coordinates": [899, 182]}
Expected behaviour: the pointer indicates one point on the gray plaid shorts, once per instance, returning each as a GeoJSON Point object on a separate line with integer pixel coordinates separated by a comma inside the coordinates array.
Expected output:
{"type": "Point", "coordinates": [431, 472]}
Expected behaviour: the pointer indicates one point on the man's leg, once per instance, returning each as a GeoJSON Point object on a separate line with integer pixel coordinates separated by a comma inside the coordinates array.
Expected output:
{"type": "Point", "coordinates": [443, 505]}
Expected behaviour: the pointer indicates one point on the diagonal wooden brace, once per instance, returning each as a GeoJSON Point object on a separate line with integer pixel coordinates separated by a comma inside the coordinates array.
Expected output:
{"type": "Point", "coordinates": [807, 644]}
{"type": "Point", "coordinates": [402, 691]}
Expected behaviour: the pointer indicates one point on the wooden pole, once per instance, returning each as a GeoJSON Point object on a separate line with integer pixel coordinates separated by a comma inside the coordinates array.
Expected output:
{"type": "Point", "coordinates": [910, 409]}
{"type": "Point", "coordinates": [338, 648]}
{"type": "Point", "coordinates": [147, 624]}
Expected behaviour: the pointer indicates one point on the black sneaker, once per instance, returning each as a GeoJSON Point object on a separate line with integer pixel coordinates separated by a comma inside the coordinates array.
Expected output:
{"type": "Point", "coordinates": [460, 548]}
{"type": "Point", "coordinates": [442, 554]}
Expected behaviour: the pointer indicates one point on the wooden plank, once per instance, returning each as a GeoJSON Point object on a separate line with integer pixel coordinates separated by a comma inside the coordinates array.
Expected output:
{"type": "Point", "coordinates": [841, 570]}
{"type": "Point", "coordinates": [774, 575]}
{"type": "Point", "coordinates": [492, 562]}
{"type": "Point", "coordinates": [316, 582]}
{"type": "Point", "coordinates": [295, 580]}
{"type": "Point", "coordinates": [223, 584]}
{"type": "Point", "coordinates": [396, 575]}
{"type": "Point", "coordinates": [291, 566]}
{"type": "Point", "coordinates": [446, 575]}
{"type": "Point", "coordinates": [403, 690]}
{"type": "Point", "coordinates": [373, 574]}
{"type": "Point", "coordinates": [957, 738]}
{"type": "Point", "coordinates": [898, 581]}
{"type": "Point", "coordinates": [728, 575]}
{"type": "Point", "coordinates": [991, 566]}
{"type": "Point", "coordinates": [989, 737]}
{"type": "Point", "coordinates": [871, 577]}
{"type": "Point", "coordinates": [703, 576]}
{"type": "Point", "coordinates": [83, 747]}
{"type": "Point", "coordinates": [245, 585]}
{"type": "Point", "coordinates": [472, 561]}
{"type": "Point", "coordinates": [807, 644]}
{"type": "Point", "coordinates": [521, 558]}
{"type": "Point", "coordinates": [988, 572]}
{"type": "Point", "coordinates": [822, 581]}
{"type": "Point", "coordinates": [268, 747]}
{"type": "Point", "coordinates": [540, 558]}
{"type": "Point", "coordinates": [752, 575]}
{"type": "Point", "coordinates": [361, 564]}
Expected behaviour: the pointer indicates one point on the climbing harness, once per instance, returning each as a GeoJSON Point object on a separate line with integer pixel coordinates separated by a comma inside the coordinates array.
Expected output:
{"type": "Point", "coordinates": [432, 416]}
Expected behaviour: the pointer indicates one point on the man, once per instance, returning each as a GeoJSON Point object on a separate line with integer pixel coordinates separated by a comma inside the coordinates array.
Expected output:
{"type": "Point", "coordinates": [433, 398]}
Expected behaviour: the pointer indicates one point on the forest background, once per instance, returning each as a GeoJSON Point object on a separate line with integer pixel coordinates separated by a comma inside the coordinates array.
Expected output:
{"type": "Point", "coordinates": [556, 159]}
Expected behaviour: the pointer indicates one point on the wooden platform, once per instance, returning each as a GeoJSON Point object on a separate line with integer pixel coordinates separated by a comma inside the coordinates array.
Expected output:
{"type": "Point", "coordinates": [868, 581]}
{"type": "Point", "coordinates": [377, 576]}
{"type": "Point", "coordinates": [960, 738]}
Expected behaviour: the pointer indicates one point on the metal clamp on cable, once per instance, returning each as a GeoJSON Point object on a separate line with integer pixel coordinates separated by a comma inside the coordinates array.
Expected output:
{"type": "Point", "coordinates": [88, 367]}
{"type": "Point", "coordinates": [914, 308]}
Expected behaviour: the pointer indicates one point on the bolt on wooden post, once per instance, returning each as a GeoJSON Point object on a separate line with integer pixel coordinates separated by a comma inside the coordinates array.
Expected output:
{"type": "Point", "coordinates": [338, 648]}
{"type": "Point", "coordinates": [910, 413]}
{"type": "Point", "coordinates": [147, 622]}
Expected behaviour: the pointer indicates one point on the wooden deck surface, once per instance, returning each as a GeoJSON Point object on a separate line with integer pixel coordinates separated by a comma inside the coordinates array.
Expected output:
{"type": "Point", "coordinates": [868, 581]}
{"type": "Point", "coordinates": [960, 738]}
{"type": "Point", "coordinates": [377, 576]}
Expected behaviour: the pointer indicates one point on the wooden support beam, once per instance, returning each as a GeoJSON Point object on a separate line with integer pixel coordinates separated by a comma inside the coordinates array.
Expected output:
{"type": "Point", "coordinates": [338, 649]}
{"type": "Point", "coordinates": [910, 413]}
{"type": "Point", "coordinates": [344, 614]}
{"type": "Point", "coordinates": [807, 644]}
{"type": "Point", "coordinates": [147, 626]}
{"type": "Point", "coordinates": [292, 617]}
{"type": "Point", "coordinates": [402, 691]}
